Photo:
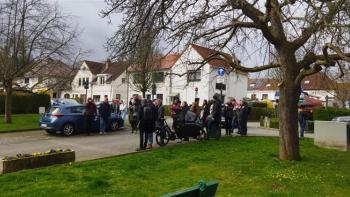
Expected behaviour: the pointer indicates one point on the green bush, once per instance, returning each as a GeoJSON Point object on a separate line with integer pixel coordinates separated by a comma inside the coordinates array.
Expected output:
{"type": "Point", "coordinates": [258, 104]}
{"type": "Point", "coordinates": [274, 123]}
{"type": "Point", "coordinates": [256, 113]}
{"type": "Point", "coordinates": [25, 103]}
{"type": "Point", "coordinates": [329, 113]}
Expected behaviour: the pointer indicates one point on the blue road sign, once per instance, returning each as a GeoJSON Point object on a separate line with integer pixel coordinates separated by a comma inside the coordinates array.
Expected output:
{"type": "Point", "coordinates": [221, 72]}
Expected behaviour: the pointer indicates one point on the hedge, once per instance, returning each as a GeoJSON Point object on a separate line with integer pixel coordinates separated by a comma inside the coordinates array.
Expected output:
{"type": "Point", "coordinates": [25, 103]}
{"type": "Point", "coordinates": [274, 123]}
{"type": "Point", "coordinates": [329, 113]}
{"type": "Point", "coordinates": [167, 110]}
{"type": "Point", "coordinates": [258, 104]}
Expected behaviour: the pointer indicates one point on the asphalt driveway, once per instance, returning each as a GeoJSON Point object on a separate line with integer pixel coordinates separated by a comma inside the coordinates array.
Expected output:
{"type": "Point", "coordinates": [88, 147]}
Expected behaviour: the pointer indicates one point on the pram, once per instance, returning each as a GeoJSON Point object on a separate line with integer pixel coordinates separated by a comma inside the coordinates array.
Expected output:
{"type": "Point", "coordinates": [186, 125]}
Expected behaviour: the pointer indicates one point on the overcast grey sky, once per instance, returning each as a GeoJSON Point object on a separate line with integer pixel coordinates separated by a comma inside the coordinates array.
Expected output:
{"type": "Point", "coordinates": [96, 30]}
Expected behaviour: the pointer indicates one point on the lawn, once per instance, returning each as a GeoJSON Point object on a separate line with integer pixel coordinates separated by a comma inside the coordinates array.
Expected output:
{"type": "Point", "coordinates": [244, 166]}
{"type": "Point", "coordinates": [20, 122]}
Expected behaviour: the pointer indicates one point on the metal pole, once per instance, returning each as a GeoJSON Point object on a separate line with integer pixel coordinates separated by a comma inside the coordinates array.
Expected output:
{"type": "Point", "coordinates": [221, 91]}
{"type": "Point", "coordinates": [86, 95]}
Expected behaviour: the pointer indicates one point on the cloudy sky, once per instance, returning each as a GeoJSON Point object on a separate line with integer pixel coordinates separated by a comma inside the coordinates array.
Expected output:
{"type": "Point", "coordinates": [96, 30]}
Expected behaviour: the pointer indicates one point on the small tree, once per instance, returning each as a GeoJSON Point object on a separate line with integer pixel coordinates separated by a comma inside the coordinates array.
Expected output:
{"type": "Point", "coordinates": [306, 35]}
{"type": "Point", "coordinates": [31, 31]}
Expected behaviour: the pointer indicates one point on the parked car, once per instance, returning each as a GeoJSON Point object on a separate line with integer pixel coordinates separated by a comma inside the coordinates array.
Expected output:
{"type": "Point", "coordinates": [56, 102]}
{"type": "Point", "coordinates": [69, 119]}
{"type": "Point", "coordinates": [342, 119]}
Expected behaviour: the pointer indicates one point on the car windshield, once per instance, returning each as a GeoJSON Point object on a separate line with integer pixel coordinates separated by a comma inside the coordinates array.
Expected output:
{"type": "Point", "coordinates": [54, 110]}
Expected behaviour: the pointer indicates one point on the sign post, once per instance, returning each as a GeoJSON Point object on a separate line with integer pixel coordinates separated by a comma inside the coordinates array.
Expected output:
{"type": "Point", "coordinates": [154, 90]}
{"type": "Point", "coordinates": [220, 79]}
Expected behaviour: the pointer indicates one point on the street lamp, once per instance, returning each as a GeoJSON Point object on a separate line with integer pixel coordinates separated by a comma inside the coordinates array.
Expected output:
{"type": "Point", "coordinates": [154, 90]}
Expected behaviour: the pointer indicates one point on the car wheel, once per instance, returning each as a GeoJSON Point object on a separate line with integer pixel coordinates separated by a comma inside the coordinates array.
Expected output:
{"type": "Point", "coordinates": [114, 125]}
{"type": "Point", "coordinates": [68, 129]}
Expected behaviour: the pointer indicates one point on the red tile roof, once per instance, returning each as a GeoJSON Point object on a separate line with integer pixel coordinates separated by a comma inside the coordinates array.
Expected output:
{"type": "Point", "coordinates": [95, 67]}
{"type": "Point", "coordinates": [169, 60]}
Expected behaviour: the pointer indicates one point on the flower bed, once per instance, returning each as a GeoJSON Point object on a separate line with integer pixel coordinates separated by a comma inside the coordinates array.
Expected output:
{"type": "Point", "coordinates": [36, 160]}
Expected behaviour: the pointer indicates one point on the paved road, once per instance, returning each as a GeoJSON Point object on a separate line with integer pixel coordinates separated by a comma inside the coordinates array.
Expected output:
{"type": "Point", "coordinates": [86, 147]}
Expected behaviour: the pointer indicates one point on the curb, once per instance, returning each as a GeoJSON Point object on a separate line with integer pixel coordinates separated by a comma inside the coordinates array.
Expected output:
{"type": "Point", "coordinates": [20, 130]}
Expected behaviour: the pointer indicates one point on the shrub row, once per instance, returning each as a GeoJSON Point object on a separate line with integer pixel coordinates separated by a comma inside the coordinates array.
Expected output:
{"type": "Point", "coordinates": [274, 123]}
{"type": "Point", "coordinates": [258, 104]}
{"type": "Point", "coordinates": [257, 112]}
{"type": "Point", "coordinates": [25, 103]}
{"type": "Point", "coordinates": [329, 113]}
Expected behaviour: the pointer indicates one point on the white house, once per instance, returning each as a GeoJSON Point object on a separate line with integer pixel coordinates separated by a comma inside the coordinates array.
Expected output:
{"type": "Point", "coordinates": [104, 79]}
{"type": "Point", "coordinates": [185, 80]}
{"type": "Point", "coordinates": [51, 76]}
{"type": "Point", "coordinates": [314, 85]}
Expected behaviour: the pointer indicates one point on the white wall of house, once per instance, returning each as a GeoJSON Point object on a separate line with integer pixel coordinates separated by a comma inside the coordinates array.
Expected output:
{"type": "Point", "coordinates": [119, 87]}
{"type": "Point", "coordinates": [260, 94]}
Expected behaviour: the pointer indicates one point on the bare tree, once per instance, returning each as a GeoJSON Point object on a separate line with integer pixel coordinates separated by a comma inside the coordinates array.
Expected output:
{"type": "Point", "coordinates": [340, 87]}
{"type": "Point", "coordinates": [315, 30]}
{"type": "Point", "coordinates": [31, 31]}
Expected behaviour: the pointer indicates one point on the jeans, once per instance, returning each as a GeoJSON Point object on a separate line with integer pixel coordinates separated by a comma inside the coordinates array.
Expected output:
{"type": "Point", "coordinates": [228, 125]}
{"type": "Point", "coordinates": [149, 137]}
{"type": "Point", "coordinates": [122, 114]}
{"type": "Point", "coordinates": [302, 123]}
{"type": "Point", "coordinates": [89, 120]}
{"type": "Point", "coordinates": [103, 125]}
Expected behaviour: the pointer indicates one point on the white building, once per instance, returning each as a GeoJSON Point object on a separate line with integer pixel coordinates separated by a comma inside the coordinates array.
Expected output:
{"type": "Point", "coordinates": [104, 79]}
{"type": "Point", "coordinates": [182, 77]}
{"type": "Point", "coordinates": [51, 76]}
{"type": "Point", "coordinates": [314, 85]}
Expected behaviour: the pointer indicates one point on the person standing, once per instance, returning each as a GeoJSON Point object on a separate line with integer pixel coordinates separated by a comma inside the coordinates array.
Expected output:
{"type": "Point", "coordinates": [122, 109]}
{"type": "Point", "coordinates": [90, 115]}
{"type": "Point", "coordinates": [136, 107]}
{"type": "Point", "coordinates": [175, 111]}
{"type": "Point", "coordinates": [104, 113]}
{"type": "Point", "coordinates": [243, 114]}
{"type": "Point", "coordinates": [216, 114]}
{"type": "Point", "coordinates": [195, 107]}
{"type": "Point", "coordinates": [228, 113]}
{"type": "Point", "coordinates": [205, 113]}
{"type": "Point", "coordinates": [148, 114]}
{"type": "Point", "coordinates": [302, 120]}
{"type": "Point", "coordinates": [160, 113]}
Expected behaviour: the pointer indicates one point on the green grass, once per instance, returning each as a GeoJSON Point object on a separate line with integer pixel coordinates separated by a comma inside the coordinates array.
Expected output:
{"type": "Point", "coordinates": [244, 166]}
{"type": "Point", "coordinates": [20, 122]}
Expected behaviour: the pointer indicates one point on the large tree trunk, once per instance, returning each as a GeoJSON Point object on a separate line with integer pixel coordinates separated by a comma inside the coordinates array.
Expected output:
{"type": "Point", "coordinates": [288, 107]}
{"type": "Point", "coordinates": [288, 118]}
{"type": "Point", "coordinates": [8, 102]}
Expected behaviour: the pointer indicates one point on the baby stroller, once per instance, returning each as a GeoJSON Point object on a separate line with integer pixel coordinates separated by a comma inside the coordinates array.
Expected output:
{"type": "Point", "coordinates": [186, 125]}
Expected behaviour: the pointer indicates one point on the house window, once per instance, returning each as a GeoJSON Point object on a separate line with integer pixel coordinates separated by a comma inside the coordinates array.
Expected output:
{"type": "Point", "coordinates": [268, 85]}
{"type": "Point", "coordinates": [67, 96]}
{"type": "Point", "coordinates": [96, 98]}
{"type": "Point", "coordinates": [87, 80]}
{"type": "Point", "coordinates": [117, 96]}
{"type": "Point", "coordinates": [253, 96]}
{"type": "Point", "coordinates": [26, 80]}
{"type": "Point", "coordinates": [265, 96]}
{"type": "Point", "coordinates": [252, 85]}
{"type": "Point", "coordinates": [123, 80]}
{"type": "Point", "coordinates": [194, 75]}
{"type": "Point", "coordinates": [79, 82]}
{"type": "Point", "coordinates": [158, 77]}
{"type": "Point", "coordinates": [148, 97]}
{"type": "Point", "coordinates": [306, 82]}
{"type": "Point", "coordinates": [102, 80]}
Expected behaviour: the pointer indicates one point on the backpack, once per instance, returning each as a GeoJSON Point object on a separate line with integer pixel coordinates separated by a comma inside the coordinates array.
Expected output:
{"type": "Point", "coordinates": [148, 113]}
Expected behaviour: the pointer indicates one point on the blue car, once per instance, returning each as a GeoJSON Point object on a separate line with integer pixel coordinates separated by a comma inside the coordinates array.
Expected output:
{"type": "Point", "coordinates": [70, 119]}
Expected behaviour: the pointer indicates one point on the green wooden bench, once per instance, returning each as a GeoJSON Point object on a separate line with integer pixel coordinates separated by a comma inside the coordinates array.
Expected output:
{"type": "Point", "coordinates": [203, 189]}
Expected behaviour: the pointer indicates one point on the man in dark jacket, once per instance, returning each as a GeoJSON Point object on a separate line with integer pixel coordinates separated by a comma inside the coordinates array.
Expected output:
{"type": "Point", "coordinates": [243, 114]}
{"type": "Point", "coordinates": [216, 113]}
{"type": "Point", "coordinates": [90, 115]}
{"type": "Point", "coordinates": [148, 115]}
{"type": "Point", "coordinates": [160, 113]}
{"type": "Point", "coordinates": [104, 113]}
{"type": "Point", "coordinates": [228, 113]}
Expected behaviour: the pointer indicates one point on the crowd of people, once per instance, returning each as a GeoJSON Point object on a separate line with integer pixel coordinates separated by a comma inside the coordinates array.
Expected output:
{"type": "Point", "coordinates": [146, 115]}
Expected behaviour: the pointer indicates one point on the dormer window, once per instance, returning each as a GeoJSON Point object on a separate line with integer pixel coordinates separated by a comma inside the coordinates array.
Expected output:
{"type": "Point", "coordinates": [102, 80]}
{"type": "Point", "coordinates": [252, 85]}
{"type": "Point", "coordinates": [306, 82]}
{"type": "Point", "coordinates": [268, 85]}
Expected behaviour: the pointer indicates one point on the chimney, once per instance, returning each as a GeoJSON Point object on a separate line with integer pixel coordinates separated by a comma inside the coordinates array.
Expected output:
{"type": "Point", "coordinates": [108, 64]}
